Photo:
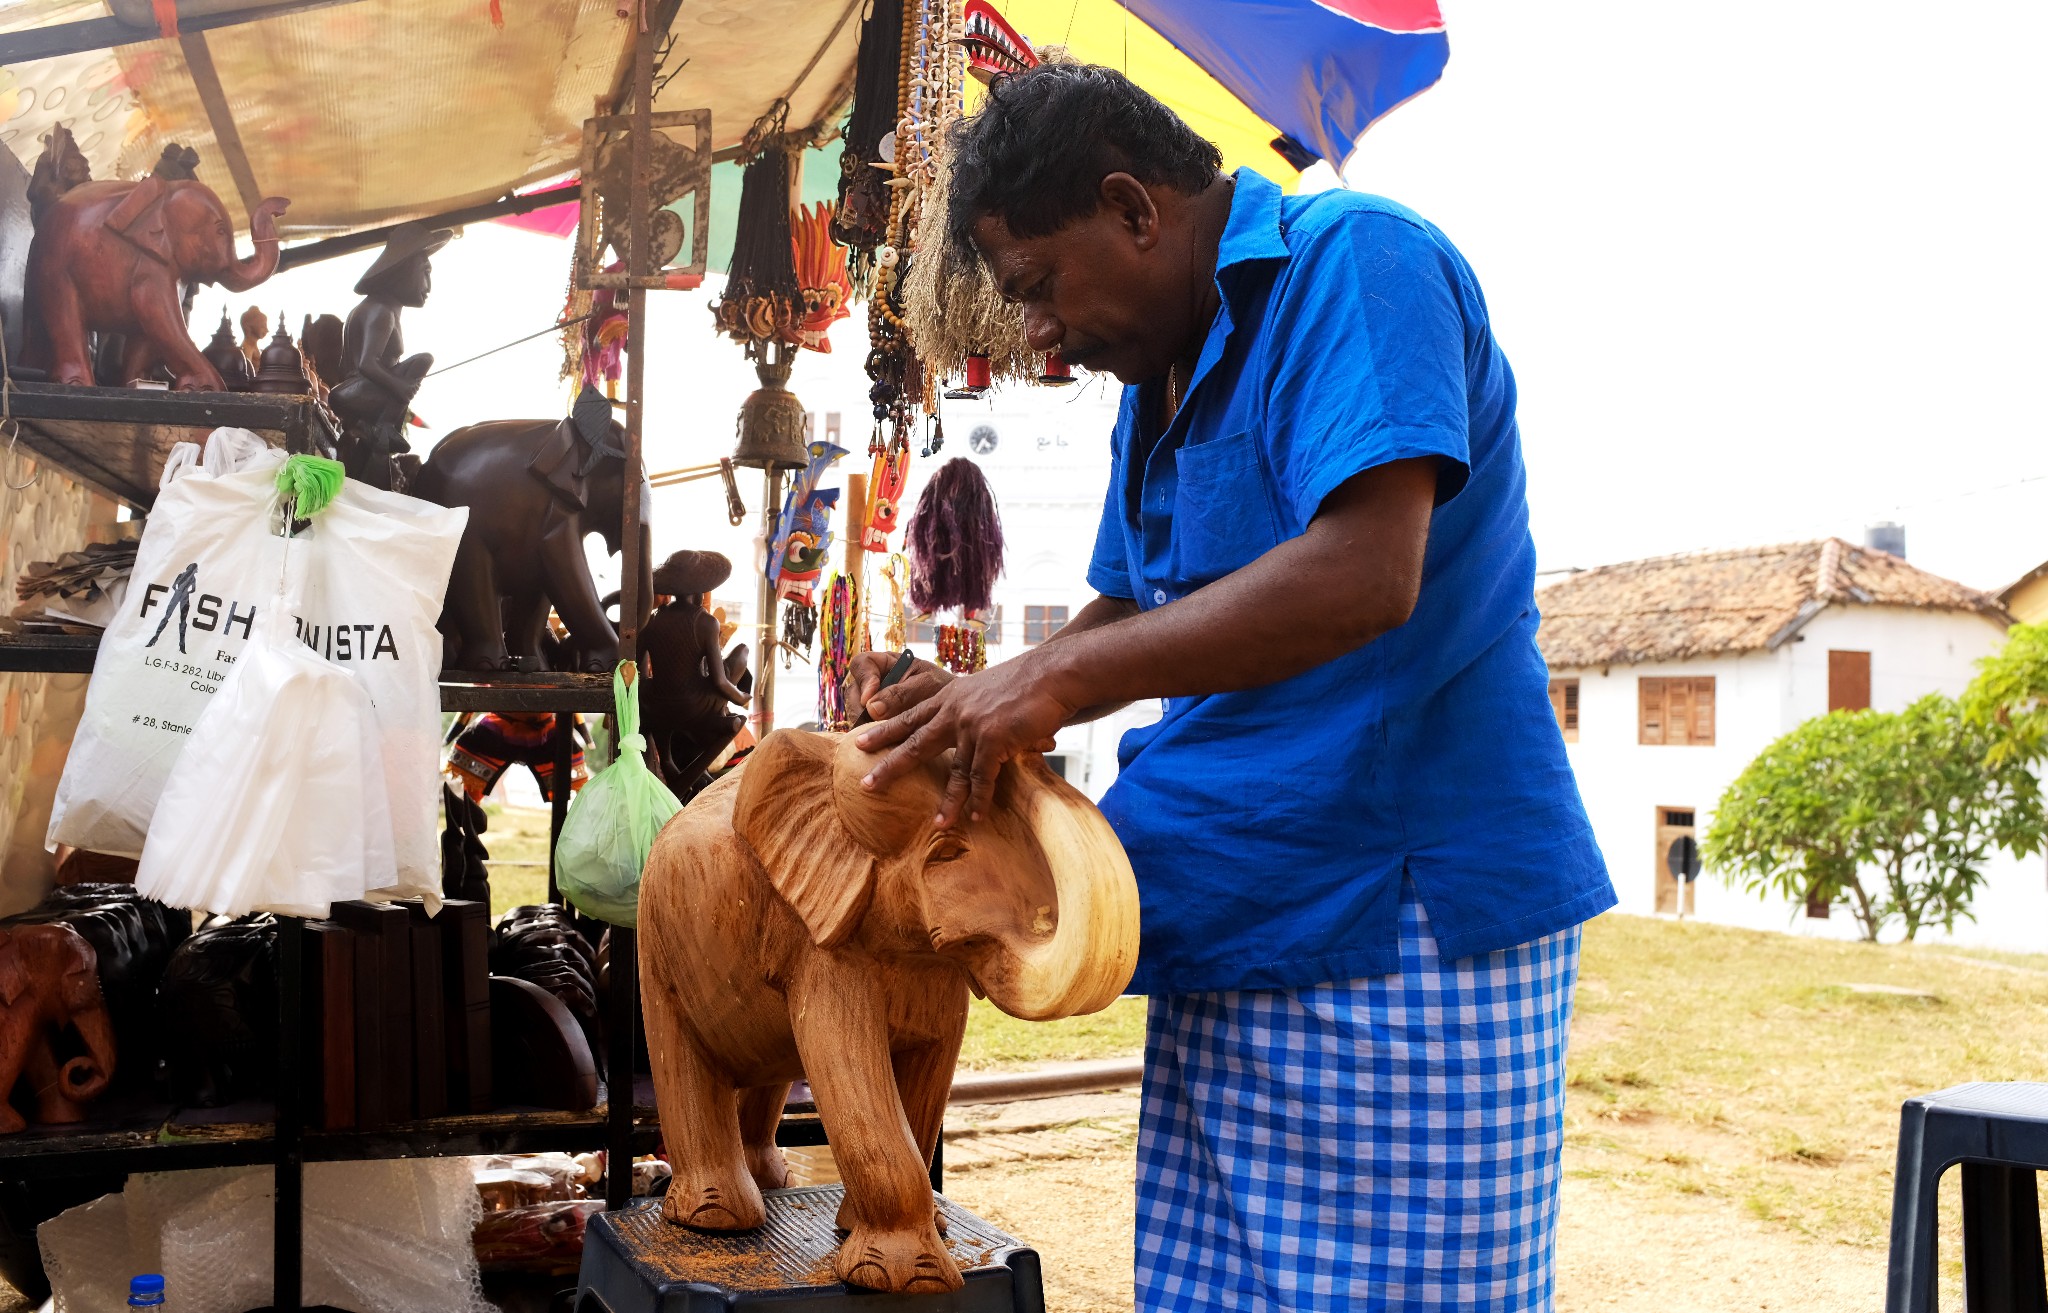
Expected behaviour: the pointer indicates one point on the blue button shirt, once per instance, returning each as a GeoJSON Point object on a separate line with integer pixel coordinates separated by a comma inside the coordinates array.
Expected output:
{"type": "Point", "coordinates": [1270, 829]}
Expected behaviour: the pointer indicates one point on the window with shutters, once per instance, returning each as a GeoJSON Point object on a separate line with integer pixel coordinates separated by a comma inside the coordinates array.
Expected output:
{"type": "Point", "coordinates": [1564, 702]}
{"type": "Point", "coordinates": [1042, 622]}
{"type": "Point", "coordinates": [1848, 681]}
{"type": "Point", "coordinates": [1675, 712]}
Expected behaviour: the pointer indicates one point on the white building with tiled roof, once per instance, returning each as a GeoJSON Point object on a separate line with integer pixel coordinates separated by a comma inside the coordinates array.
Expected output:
{"type": "Point", "coordinates": [1669, 675]}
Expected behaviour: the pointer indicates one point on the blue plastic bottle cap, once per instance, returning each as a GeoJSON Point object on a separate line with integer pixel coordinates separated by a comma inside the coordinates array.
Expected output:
{"type": "Point", "coordinates": [146, 1290]}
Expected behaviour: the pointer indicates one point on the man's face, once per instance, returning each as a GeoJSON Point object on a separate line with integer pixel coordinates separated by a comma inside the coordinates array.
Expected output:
{"type": "Point", "coordinates": [1092, 291]}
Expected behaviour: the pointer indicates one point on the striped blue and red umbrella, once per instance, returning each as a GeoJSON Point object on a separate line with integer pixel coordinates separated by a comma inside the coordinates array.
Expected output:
{"type": "Point", "coordinates": [1321, 71]}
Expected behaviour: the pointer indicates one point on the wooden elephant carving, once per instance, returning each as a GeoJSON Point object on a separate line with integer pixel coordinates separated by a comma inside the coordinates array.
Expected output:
{"type": "Point", "coordinates": [534, 489]}
{"type": "Point", "coordinates": [795, 925]}
{"type": "Point", "coordinates": [111, 258]}
{"type": "Point", "coordinates": [49, 982]}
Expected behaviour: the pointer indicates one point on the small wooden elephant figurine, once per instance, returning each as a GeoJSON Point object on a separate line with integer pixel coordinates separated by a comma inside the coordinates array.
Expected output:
{"type": "Point", "coordinates": [796, 925]}
{"type": "Point", "coordinates": [115, 257]}
{"type": "Point", "coordinates": [49, 980]}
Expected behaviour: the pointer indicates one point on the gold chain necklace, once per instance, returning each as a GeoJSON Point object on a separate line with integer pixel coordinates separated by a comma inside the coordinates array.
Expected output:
{"type": "Point", "coordinates": [1172, 391]}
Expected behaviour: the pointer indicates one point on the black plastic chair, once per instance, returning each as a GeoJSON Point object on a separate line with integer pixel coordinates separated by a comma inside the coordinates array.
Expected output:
{"type": "Point", "coordinates": [1999, 1133]}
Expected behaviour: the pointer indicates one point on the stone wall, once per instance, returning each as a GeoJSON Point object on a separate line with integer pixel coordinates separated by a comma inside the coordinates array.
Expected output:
{"type": "Point", "coordinates": [38, 713]}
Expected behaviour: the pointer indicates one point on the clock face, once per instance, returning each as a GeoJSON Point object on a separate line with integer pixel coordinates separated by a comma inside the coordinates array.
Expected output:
{"type": "Point", "coordinates": [983, 440]}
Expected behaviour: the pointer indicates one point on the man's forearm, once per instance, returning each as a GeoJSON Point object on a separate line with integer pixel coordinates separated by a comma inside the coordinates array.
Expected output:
{"type": "Point", "coordinates": [1104, 610]}
{"type": "Point", "coordinates": [1352, 577]}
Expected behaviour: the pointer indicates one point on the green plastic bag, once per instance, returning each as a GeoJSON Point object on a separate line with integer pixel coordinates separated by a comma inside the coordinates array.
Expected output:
{"type": "Point", "coordinates": [612, 824]}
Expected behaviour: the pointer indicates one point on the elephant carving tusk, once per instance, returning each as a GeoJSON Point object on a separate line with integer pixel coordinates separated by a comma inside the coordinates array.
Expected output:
{"type": "Point", "coordinates": [1093, 951]}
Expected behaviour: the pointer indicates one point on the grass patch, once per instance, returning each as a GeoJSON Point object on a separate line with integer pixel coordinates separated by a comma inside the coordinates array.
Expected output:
{"type": "Point", "coordinates": [996, 1040]}
{"type": "Point", "coordinates": [517, 838]}
{"type": "Point", "coordinates": [1741, 1059]}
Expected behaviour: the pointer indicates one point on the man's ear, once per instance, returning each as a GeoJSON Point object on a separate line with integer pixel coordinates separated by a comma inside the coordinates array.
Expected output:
{"type": "Point", "coordinates": [1130, 201]}
{"type": "Point", "coordinates": [788, 814]}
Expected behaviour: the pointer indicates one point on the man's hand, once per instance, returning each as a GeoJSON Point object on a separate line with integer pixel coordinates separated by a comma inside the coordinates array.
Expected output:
{"type": "Point", "coordinates": [986, 719]}
{"type": "Point", "coordinates": [863, 686]}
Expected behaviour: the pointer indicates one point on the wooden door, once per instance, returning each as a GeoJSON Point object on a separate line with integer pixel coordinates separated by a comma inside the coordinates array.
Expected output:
{"type": "Point", "coordinates": [1674, 825]}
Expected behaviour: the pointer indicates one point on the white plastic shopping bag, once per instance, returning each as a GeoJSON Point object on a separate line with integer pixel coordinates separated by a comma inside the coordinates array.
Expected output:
{"type": "Point", "coordinates": [379, 571]}
{"type": "Point", "coordinates": [367, 581]}
{"type": "Point", "coordinates": [208, 564]}
{"type": "Point", "coordinates": [278, 803]}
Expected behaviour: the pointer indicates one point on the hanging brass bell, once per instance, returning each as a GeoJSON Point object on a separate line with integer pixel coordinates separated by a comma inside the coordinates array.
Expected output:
{"type": "Point", "coordinates": [772, 420]}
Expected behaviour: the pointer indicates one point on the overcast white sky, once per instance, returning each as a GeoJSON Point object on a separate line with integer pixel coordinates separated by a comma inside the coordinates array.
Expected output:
{"type": "Point", "coordinates": [1760, 280]}
{"type": "Point", "coordinates": [1764, 272]}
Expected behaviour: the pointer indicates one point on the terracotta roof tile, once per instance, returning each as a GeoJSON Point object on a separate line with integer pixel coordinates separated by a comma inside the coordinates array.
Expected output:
{"type": "Point", "coordinates": [1667, 608]}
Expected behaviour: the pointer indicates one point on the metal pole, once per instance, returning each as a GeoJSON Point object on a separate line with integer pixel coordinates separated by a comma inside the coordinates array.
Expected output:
{"type": "Point", "coordinates": [624, 975]}
{"type": "Point", "coordinates": [764, 677]}
{"type": "Point", "coordinates": [288, 1215]}
{"type": "Point", "coordinates": [558, 804]}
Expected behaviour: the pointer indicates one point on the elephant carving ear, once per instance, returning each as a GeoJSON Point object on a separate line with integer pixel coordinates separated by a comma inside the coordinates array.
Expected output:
{"type": "Point", "coordinates": [140, 218]}
{"type": "Point", "coordinates": [787, 812]}
{"type": "Point", "coordinates": [13, 971]}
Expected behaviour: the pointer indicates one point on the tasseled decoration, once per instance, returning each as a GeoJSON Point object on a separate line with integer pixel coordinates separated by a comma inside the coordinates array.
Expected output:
{"type": "Point", "coordinates": [955, 539]}
{"type": "Point", "coordinates": [961, 649]}
{"type": "Point", "coordinates": [896, 633]}
{"type": "Point", "coordinates": [762, 301]}
{"type": "Point", "coordinates": [862, 215]}
{"type": "Point", "coordinates": [950, 304]}
{"type": "Point", "coordinates": [836, 649]}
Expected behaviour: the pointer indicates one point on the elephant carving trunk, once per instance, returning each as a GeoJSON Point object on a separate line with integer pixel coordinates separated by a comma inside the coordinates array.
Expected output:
{"type": "Point", "coordinates": [241, 275]}
{"type": "Point", "coordinates": [1092, 951]}
{"type": "Point", "coordinates": [85, 1078]}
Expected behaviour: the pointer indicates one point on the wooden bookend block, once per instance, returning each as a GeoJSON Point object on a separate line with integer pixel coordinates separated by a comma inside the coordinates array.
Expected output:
{"type": "Point", "coordinates": [466, 1002]}
{"type": "Point", "coordinates": [330, 1089]}
{"type": "Point", "coordinates": [388, 930]}
{"type": "Point", "coordinates": [429, 1029]}
{"type": "Point", "coordinates": [794, 925]}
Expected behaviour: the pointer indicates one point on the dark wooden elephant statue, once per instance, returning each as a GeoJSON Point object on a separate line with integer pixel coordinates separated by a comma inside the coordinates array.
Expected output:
{"type": "Point", "coordinates": [110, 258]}
{"type": "Point", "coordinates": [534, 489]}
{"type": "Point", "coordinates": [50, 984]}
{"type": "Point", "coordinates": [794, 924]}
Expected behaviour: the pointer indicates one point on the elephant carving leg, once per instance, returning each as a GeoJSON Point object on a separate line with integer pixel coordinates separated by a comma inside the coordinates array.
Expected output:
{"type": "Point", "coordinates": [10, 1120]}
{"type": "Point", "coordinates": [163, 324]}
{"type": "Point", "coordinates": [712, 1189]}
{"type": "Point", "coordinates": [472, 610]}
{"type": "Point", "coordinates": [70, 363]}
{"type": "Point", "coordinates": [891, 1243]}
{"type": "Point", "coordinates": [566, 572]}
{"type": "Point", "coordinates": [760, 1113]}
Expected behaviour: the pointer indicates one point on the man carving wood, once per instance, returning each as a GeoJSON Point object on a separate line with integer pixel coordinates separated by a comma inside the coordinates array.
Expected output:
{"type": "Point", "coordinates": [1361, 856]}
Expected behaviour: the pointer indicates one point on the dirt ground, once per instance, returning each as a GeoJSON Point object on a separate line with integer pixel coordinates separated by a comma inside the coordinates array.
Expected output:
{"type": "Point", "coordinates": [1058, 1174]}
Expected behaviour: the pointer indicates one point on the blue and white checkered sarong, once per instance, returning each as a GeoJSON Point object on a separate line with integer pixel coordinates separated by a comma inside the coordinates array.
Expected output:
{"type": "Point", "coordinates": [1385, 1143]}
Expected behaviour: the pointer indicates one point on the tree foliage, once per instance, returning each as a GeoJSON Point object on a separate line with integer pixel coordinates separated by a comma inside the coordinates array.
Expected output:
{"type": "Point", "coordinates": [2009, 696]}
{"type": "Point", "coordinates": [1892, 814]}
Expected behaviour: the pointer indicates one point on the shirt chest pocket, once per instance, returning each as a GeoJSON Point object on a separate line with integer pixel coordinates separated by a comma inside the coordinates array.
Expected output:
{"type": "Point", "coordinates": [1222, 512]}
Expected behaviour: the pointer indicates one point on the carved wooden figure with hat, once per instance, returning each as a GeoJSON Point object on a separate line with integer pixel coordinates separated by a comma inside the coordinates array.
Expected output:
{"type": "Point", "coordinates": [690, 687]}
{"type": "Point", "coordinates": [378, 380]}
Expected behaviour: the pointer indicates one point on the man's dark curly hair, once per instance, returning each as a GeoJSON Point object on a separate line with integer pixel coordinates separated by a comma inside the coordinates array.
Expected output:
{"type": "Point", "coordinates": [1036, 152]}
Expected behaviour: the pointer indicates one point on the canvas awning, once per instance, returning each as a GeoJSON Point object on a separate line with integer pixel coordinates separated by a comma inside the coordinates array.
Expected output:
{"type": "Point", "coordinates": [367, 112]}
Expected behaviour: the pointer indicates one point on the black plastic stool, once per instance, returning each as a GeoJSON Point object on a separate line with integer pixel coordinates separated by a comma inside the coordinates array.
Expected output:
{"type": "Point", "coordinates": [1999, 1133]}
{"type": "Point", "coordinates": [633, 1262]}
